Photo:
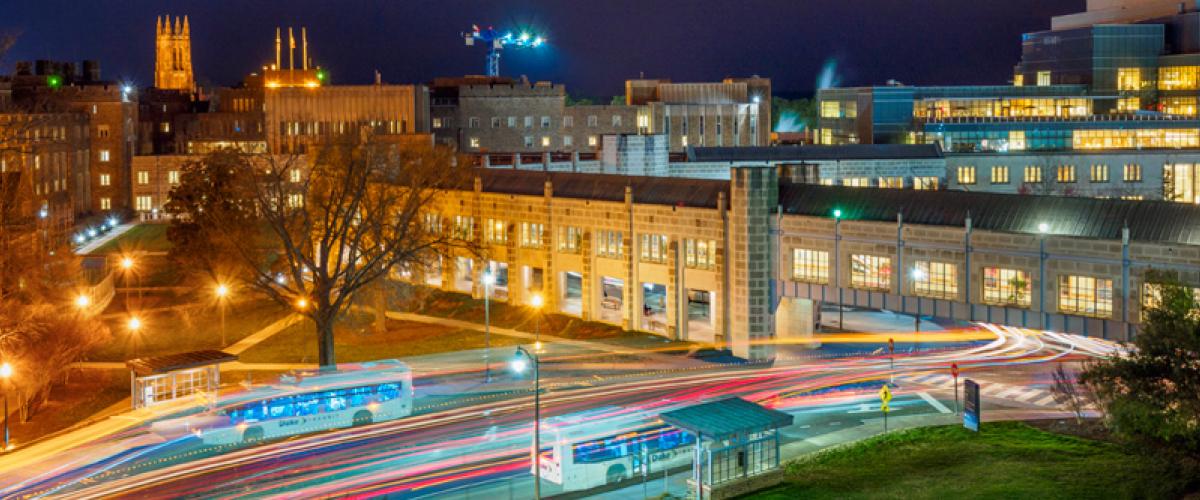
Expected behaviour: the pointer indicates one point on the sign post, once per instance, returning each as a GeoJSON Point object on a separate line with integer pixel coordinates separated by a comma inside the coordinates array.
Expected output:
{"type": "Point", "coordinates": [892, 360]}
{"type": "Point", "coordinates": [954, 371]}
{"type": "Point", "coordinates": [885, 395]}
{"type": "Point", "coordinates": [971, 405]}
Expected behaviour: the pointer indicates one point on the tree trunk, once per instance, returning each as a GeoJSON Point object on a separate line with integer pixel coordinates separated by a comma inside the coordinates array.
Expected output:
{"type": "Point", "coordinates": [325, 343]}
{"type": "Point", "coordinates": [380, 297]}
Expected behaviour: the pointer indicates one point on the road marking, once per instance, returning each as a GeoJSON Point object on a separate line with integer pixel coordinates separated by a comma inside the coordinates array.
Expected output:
{"type": "Point", "coordinates": [805, 426]}
{"type": "Point", "coordinates": [993, 389]}
{"type": "Point", "coordinates": [937, 405]}
{"type": "Point", "coordinates": [1009, 392]}
{"type": "Point", "coordinates": [865, 408]}
{"type": "Point", "coordinates": [1030, 394]}
{"type": "Point", "coordinates": [831, 423]}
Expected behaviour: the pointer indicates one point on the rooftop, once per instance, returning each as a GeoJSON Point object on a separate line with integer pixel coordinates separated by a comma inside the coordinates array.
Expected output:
{"type": "Point", "coordinates": [182, 361]}
{"type": "Point", "coordinates": [1148, 221]}
{"type": "Point", "coordinates": [607, 187]}
{"type": "Point", "coordinates": [726, 417]}
{"type": "Point", "coordinates": [801, 153]}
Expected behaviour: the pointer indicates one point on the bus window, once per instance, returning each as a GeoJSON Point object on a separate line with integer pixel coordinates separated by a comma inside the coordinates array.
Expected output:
{"type": "Point", "coordinates": [388, 392]}
{"type": "Point", "coordinates": [280, 407]}
{"type": "Point", "coordinates": [336, 401]}
{"type": "Point", "coordinates": [306, 404]}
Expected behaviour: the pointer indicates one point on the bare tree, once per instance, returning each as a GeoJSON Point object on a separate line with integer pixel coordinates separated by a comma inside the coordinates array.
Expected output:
{"type": "Point", "coordinates": [330, 224]}
{"type": "Point", "coordinates": [41, 343]}
{"type": "Point", "coordinates": [1068, 393]}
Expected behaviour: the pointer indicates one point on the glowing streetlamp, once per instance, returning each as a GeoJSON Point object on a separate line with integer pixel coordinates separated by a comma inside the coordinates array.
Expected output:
{"type": "Point", "coordinates": [83, 301]}
{"type": "Point", "coordinates": [134, 325]}
{"type": "Point", "coordinates": [837, 240]}
{"type": "Point", "coordinates": [222, 291]}
{"type": "Point", "coordinates": [127, 264]}
{"type": "Point", "coordinates": [918, 275]}
{"type": "Point", "coordinates": [6, 372]}
{"type": "Point", "coordinates": [301, 303]}
{"type": "Point", "coordinates": [488, 280]}
{"type": "Point", "coordinates": [521, 361]}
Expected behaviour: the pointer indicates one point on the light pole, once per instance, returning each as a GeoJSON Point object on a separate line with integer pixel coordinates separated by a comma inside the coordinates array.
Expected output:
{"type": "Point", "coordinates": [918, 276]}
{"type": "Point", "coordinates": [127, 269]}
{"type": "Point", "coordinates": [1043, 228]}
{"type": "Point", "coordinates": [521, 361]}
{"type": "Point", "coordinates": [222, 291]}
{"type": "Point", "coordinates": [135, 324]}
{"type": "Point", "coordinates": [536, 302]}
{"type": "Point", "coordinates": [488, 281]}
{"type": "Point", "coordinates": [6, 373]}
{"type": "Point", "coordinates": [837, 279]}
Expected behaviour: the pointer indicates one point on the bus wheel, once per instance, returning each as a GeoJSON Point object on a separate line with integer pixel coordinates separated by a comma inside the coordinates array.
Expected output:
{"type": "Point", "coordinates": [616, 473]}
{"type": "Point", "coordinates": [363, 417]}
{"type": "Point", "coordinates": [252, 434]}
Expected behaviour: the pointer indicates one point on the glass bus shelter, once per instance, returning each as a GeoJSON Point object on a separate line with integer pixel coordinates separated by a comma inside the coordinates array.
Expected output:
{"type": "Point", "coordinates": [163, 378]}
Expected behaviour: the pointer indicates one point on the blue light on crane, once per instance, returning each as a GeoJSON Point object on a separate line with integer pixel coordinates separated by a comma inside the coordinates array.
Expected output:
{"type": "Point", "coordinates": [496, 42]}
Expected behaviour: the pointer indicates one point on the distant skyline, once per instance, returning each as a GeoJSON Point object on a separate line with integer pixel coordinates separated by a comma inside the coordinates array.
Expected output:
{"type": "Point", "coordinates": [593, 46]}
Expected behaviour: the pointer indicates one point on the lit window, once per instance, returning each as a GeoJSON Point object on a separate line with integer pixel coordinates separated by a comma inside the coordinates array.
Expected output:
{"type": "Point", "coordinates": [966, 175]}
{"type": "Point", "coordinates": [1099, 173]}
{"type": "Point", "coordinates": [857, 182]}
{"type": "Point", "coordinates": [1133, 172]}
{"type": "Point", "coordinates": [999, 175]}
{"type": "Point", "coordinates": [570, 239]}
{"type": "Point", "coordinates": [143, 203]}
{"type": "Point", "coordinates": [870, 272]}
{"type": "Point", "coordinates": [432, 221]}
{"type": "Point", "coordinates": [592, 140]}
{"type": "Point", "coordinates": [1043, 78]}
{"type": "Point", "coordinates": [609, 244]}
{"type": "Point", "coordinates": [654, 248]}
{"type": "Point", "coordinates": [1178, 77]}
{"type": "Point", "coordinates": [143, 177]}
{"type": "Point", "coordinates": [531, 234]}
{"type": "Point", "coordinates": [1006, 287]}
{"type": "Point", "coordinates": [810, 265]}
{"type": "Point", "coordinates": [1085, 295]}
{"type": "Point", "coordinates": [474, 142]}
{"type": "Point", "coordinates": [1018, 80]}
{"type": "Point", "coordinates": [545, 141]}
{"type": "Point", "coordinates": [464, 227]}
{"type": "Point", "coordinates": [105, 203]}
{"type": "Point", "coordinates": [1129, 104]}
{"type": "Point", "coordinates": [437, 123]}
{"type": "Point", "coordinates": [1129, 79]}
{"type": "Point", "coordinates": [295, 200]}
{"type": "Point", "coordinates": [700, 254]}
{"type": "Point", "coordinates": [173, 176]}
{"type": "Point", "coordinates": [294, 175]}
{"type": "Point", "coordinates": [1033, 173]}
{"type": "Point", "coordinates": [1066, 174]}
{"type": "Point", "coordinates": [925, 183]}
{"type": "Point", "coordinates": [1152, 297]}
{"type": "Point", "coordinates": [105, 180]}
{"type": "Point", "coordinates": [496, 231]}
{"type": "Point", "coordinates": [891, 182]}
{"type": "Point", "coordinates": [105, 155]}
{"type": "Point", "coordinates": [935, 279]}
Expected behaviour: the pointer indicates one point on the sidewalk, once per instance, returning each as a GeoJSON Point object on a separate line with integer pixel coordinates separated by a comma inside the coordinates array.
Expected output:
{"type": "Point", "coordinates": [99, 242]}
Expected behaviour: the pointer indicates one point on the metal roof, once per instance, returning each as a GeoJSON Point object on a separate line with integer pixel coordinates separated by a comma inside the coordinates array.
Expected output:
{"type": "Point", "coordinates": [725, 417]}
{"type": "Point", "coordinates": [1149, 221]}
{"type": "Point", "coordinates": [801, 153]}
{"type": "Point", "coordinates": [606, 187]}
{"type": "Point", "coordinates": [182, 361]}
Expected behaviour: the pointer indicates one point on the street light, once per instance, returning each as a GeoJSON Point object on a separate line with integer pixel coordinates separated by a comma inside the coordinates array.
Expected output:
{"type": "Point", "coordinates": [488, 281]}
{"type": "Point", "coordinates": [1043, 228]}
{"type": "Point", "coordinates": [83, 301]}
{"type": "Point", "coordinates": [918, 274]}
{"type": "Point", "coordinates": [536, 302]}
{"type": "Point", "coordinates": [6, 371]}
{"type": "Point", "coordinates": [135, 324]}
{"type": "Point", "coordinates": [127, 264]}
{"type": "Point", "coordinates": [837, 275]}
{"type": "Point", "coordinates": [221, 292]}
{"type": "Point", "coordinates": [301, 303]}
{"type": "Point", "coordinates": [521, 362]}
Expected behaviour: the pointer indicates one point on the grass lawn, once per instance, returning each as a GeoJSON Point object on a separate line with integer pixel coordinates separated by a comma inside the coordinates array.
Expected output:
{"type": "Point", "coordinates": [1006, 460]}
{"type": "Point", "coordinates": [185, 329]}
{"type": "Point", "coordinates": [88, 392]}
{"type": "Point", "coordinates": [461, 306]}
{"type": "Point", "coordinates": [356, 341]}
{"type": "Point", "coordinates": [142, 237]}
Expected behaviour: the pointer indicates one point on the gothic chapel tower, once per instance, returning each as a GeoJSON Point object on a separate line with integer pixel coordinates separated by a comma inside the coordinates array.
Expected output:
{"type": "Point", "coordinates": [173, 64]}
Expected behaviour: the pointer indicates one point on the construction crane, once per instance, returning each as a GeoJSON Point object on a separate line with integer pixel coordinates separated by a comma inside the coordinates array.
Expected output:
{"type": "Point", "coordinates": [496, 41]}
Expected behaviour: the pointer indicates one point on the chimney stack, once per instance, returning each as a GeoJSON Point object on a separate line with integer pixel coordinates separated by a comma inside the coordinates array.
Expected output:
{"type": "Point", "coordinates": [278, 50]}
{"type": "Point", "coordinates": [304, 50]}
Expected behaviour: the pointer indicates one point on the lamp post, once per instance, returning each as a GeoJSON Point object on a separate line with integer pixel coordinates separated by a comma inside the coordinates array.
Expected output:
{"type": "Point", "coordinates": [135, 324]}
{"type": "Point", "coordinates": [6, 373]}
{"type": "Point", "coordinates": [1043, 228]}
{"type": "Point", "coordinates": [837, 280]}
{"type": "Point", "coordinates": [221, 292]}
{"type": "Point", "coordinates": [521, 361]}
{"type": "Point", "coordinates": [918, 275]}
{"type": "Point", "coordinates": [536, 302]}
{"type": "Point", "coordinates": [82, 301]}
{"type": "Point", "coordinates": [127, 268]}
{"type": "Point", "coordinates": [488, 281]}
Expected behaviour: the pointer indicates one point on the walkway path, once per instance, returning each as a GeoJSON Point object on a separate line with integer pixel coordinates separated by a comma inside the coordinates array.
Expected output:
{"type": "Point", "coordinates": [107, 237]}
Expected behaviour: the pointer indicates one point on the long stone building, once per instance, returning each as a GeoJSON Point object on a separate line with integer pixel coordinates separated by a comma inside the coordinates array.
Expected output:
{"type": "Point", "coordinates": [748, 262]}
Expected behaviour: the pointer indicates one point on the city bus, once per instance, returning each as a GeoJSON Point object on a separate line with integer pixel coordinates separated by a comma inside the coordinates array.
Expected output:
{"type": "Point", "coordinates": [304, 402]}
{"type": "Point", "coordinates": [608, 445]}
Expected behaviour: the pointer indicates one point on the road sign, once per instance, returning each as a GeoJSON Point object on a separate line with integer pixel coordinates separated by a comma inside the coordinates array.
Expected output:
{"type": "Point", "coordinates": [891, 346]}
{"type": "Point", "coordinates": [954, 369]}
{"type": "Point", "coordinates": [885, 395]}
{"type": "Point", "coordinates": [971, 406]}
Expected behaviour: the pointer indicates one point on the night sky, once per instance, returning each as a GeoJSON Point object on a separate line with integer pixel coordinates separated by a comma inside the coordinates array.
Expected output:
{"type": "Point", "coordinates": [594, 45]}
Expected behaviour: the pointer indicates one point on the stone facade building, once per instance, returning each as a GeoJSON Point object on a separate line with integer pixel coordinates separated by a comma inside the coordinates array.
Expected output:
{"type": "Point", "coordinates": [748, 262]}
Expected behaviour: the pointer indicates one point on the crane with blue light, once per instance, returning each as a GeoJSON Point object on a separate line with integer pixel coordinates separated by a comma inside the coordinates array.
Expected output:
{"type": "Point", "coordinates": [496, 41]}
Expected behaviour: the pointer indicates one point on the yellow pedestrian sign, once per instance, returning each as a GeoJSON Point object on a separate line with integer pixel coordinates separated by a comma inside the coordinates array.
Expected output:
{"type": "Point", "coordinates": [885, 396]}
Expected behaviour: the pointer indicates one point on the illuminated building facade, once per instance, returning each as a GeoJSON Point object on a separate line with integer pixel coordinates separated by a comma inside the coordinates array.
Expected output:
{"type": "Point", "coordinates": [173, 55]}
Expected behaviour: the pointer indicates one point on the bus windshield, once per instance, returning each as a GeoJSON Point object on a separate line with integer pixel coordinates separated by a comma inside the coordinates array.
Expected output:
{"type": "Point", "coordinates": [313, 403]}
{"type": "Point", "coordinates": [654, 440]}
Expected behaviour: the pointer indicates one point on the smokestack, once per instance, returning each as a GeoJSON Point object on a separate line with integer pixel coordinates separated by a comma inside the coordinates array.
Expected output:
{"type": "Point", "coordinates": [291, 49]}
{"type": "Point", "coordinates": [278, 50]}
{"type": "Point", "coordinates": [304, 50]}
{"type": "Point", "coordinates": [378, 78]}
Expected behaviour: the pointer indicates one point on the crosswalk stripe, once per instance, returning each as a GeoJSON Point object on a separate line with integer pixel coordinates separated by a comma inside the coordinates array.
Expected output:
{"type": "Point", "coordinates": [1030, 394]}
{"type": "Point", "coordinates": [1009, 392]}
{"type": "Point", "coordinates": [993, 389]}
{"type": "Point", "coordinates": [1046, 401]}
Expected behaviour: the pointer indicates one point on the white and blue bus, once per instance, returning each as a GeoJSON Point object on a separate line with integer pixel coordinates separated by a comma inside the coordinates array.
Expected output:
{"type": "Point", "coordinates": [609, 445]}
{"type": "Point", "coordinates": [303, 402]}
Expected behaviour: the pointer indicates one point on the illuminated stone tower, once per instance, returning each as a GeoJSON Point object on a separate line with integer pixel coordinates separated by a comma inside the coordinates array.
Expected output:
{"type": "Point", "coordinates": [173, 64]}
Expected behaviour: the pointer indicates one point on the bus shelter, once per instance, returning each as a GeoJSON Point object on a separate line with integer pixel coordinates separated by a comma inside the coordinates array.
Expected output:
{"type": "Point", "coordinates": [157, 379]}
{"type": "Point", "coordinates": [737, 442]}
